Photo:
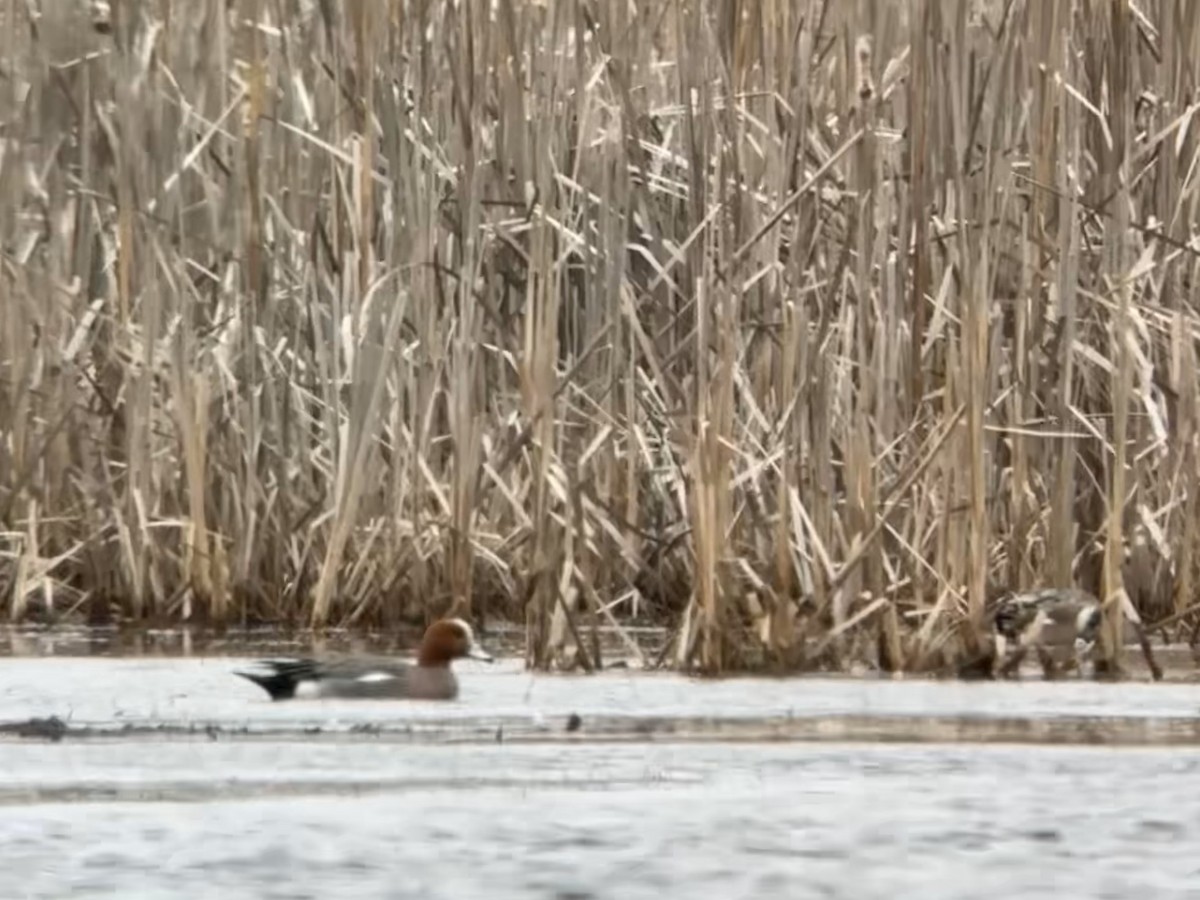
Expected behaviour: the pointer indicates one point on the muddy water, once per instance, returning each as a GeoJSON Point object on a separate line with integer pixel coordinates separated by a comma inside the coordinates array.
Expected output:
{"type": "Point", "coordinates": [173, 778]}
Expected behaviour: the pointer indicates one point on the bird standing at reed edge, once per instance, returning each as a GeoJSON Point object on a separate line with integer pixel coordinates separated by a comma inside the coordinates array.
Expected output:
{"type": "Point", "coordinates": [376, 677]}
{"type": "Point", "coordinates": [1055, 622]}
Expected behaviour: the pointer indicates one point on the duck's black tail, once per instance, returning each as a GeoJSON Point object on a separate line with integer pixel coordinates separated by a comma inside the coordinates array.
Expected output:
{"type": "Point", "coordinates": [281, 685]}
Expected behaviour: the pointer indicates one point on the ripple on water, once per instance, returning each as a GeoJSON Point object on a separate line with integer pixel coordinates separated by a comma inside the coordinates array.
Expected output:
{"type": "Point", "coordinates": [829, 821]}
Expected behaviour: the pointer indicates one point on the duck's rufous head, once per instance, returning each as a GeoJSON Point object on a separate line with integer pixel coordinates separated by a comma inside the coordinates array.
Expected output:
{"type": "Point", "coordinates": [447, 640]}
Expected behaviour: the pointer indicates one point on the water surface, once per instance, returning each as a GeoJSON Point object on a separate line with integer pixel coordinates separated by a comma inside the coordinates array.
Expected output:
{"type": "Point", "coordinates": [656, 820]}
{"type": "Point", "coordinates": [190, 783]}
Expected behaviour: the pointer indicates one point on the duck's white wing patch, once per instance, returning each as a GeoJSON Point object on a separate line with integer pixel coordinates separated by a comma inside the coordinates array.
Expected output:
{"type": "Point", "coordinates": [307, 690]}
{"type": "Point", "coordinates": [1084, 618]}
{"type": "Point", "coordinates": [375, 677]}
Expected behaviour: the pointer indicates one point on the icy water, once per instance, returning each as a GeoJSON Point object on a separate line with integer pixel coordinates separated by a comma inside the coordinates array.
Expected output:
{"type": "Point", "coordinates": [169, 777]}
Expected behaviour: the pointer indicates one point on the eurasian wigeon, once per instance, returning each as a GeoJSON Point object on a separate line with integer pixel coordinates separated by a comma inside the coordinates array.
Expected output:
{"type": "Point", "coordinates": [376, 677]}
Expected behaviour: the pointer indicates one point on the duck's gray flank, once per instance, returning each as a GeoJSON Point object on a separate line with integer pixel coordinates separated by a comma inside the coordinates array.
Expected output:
{"type": "Point", "coordinates": [375, 677]}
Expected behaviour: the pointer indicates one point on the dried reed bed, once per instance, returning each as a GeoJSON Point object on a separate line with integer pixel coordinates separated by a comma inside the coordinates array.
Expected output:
{"type": "Point", "coordinates": [798, 327]}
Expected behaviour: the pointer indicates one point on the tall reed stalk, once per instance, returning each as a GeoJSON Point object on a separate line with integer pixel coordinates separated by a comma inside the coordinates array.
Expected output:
{"type": "Point", "coordinates": [800, 328]}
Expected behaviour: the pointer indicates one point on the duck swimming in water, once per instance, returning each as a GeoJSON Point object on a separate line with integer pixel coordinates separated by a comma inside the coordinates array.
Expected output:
{"type": "Point", "coordinates": [376, 677]}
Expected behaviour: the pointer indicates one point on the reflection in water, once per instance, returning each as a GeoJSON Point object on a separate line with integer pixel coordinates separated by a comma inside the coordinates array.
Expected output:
{"type": "Point", "coordinates": [113, 641]}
